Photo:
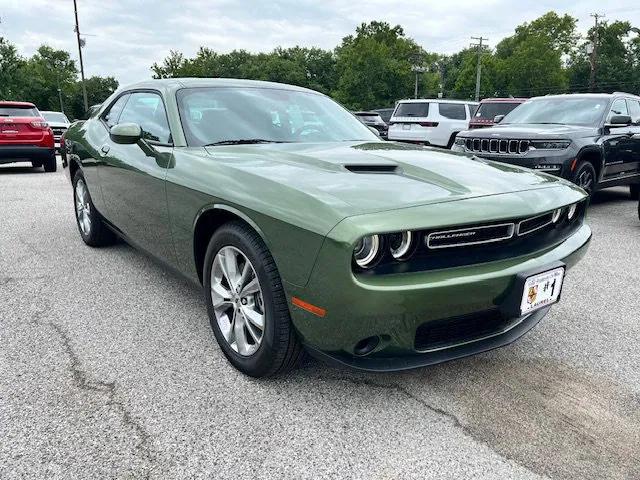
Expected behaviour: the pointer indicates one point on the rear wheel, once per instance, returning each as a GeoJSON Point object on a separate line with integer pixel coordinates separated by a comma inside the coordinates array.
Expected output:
{"type": "Point", "coordinates": [635, 191]}
{"type": "Point", "coordinates": [585, 177]}
{"type": "Point", "coordinates": [51, 165]}
{"type": "Point", "coordinates": [452, 139]}
{"type": "Point", "coordinates": [246, 303]}
{"type": "Point", "coordinates": [91, 225]}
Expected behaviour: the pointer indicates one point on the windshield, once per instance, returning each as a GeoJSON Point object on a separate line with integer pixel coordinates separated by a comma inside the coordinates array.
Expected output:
{"type": "Point", "coordinates": [55, 117]}
{"type": "Point", "coordinates": [224, 114]}
{"type": "Point", "coordinates": [566, 111]}
{"type": "Point", "coordinates": [490, 110]}
{"type": "Point", "coordinates": [19, 112]}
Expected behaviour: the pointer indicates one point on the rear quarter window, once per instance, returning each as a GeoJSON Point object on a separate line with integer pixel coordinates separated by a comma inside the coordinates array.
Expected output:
{"type": "Point", "coordinates": [453, 111]}
{"type": "Point", "coordinates": [412, 110]}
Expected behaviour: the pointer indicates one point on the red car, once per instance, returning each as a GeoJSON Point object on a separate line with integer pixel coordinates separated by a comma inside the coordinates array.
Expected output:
{"type": "Point", "coordinates": [25, 136]}
{"type": "Point", "coordinates": [490, 108]}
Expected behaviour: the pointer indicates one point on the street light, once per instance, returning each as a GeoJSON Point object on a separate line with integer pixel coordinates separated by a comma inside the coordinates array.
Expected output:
{"type": "Point", "coordinates": [417, 69]}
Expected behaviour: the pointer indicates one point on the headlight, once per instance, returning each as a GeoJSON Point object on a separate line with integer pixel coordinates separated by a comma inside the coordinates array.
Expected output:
{"type": "Point", "coordinates": [556, 215]}
{"type": "Point", "coordinates": [400, 244]}
{"type": "Point", "coordinates": [366, 251]}
{"type": "Point", "coordinates": [572, 211]}
{"type": "Point", "coordinates": [550, 144]}
{"type": "Point", "coordinates": [459, 141]}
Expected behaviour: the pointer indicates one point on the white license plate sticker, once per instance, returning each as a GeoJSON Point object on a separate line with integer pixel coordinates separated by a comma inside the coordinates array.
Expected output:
{"type": "Point", "coordinates": [406, 126]}
{"type": "Point", "coordinates": [541, 290]}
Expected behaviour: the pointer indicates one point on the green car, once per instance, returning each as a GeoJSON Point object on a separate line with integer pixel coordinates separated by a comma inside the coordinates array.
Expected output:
{"type": "Point", "coordinates": [308, 232]}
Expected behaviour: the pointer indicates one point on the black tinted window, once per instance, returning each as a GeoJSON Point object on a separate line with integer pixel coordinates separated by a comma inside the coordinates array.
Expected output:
{"type": "Point", "coordinates": [412, 110]}
{"type": "Point", "coordinates": [490, 110]}
{"type": "Point", "coordinates": [19, 112]}
{"type": "Point", "coordinates": [147, 110]}
{"type": "Point", "coordinates": [112, 115]}
{"type": "Point", "coordinates": [634, 110]}
{"type": "Point", "coordinates": [454, 111]}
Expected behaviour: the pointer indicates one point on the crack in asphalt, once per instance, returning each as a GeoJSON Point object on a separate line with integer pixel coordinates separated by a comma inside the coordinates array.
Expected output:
{"type": "Point", "coordinates": [82, 380]}
{"type": "Point", "coordinates": [440, 411]}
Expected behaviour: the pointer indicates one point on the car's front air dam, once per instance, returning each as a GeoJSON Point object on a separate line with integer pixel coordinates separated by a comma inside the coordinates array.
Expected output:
{"type": "Point", "coordinates": [392, 307]}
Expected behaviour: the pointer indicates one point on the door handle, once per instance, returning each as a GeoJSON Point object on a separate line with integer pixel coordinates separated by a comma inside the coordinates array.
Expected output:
{"type": "Point", "coordinates": [105, 149]}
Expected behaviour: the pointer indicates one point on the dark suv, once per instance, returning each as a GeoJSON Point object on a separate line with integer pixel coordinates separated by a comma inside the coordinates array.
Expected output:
{"type": "Point", "coordinates": [590, 139]}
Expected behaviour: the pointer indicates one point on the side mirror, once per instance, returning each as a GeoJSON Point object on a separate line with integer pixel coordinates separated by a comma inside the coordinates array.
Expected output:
{"type": "Point", "coordinates": [126, 133]}
{"type": "Point", "coordinates": [498, 118]}
{"type": "Point", "coordinates": [619, 121]}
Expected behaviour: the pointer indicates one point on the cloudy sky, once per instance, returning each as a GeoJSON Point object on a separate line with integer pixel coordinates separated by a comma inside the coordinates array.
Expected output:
{"type": "Point", "coordinates": [124, 37]}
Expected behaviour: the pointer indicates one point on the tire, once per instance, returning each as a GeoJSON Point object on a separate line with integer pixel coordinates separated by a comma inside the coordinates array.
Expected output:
{"type": "Point", "coordinates": [51, 165]}
{"type": "Point", "coordinates": [452, 139]}
{"type": "Point", "coordinates": [585, 177]}
{"type": "Point", "coordinates": [278, 349]}
{"type": "Point", "coordinates": [634, 190]}
{"type": "Point", "coordinates": [95, 233]}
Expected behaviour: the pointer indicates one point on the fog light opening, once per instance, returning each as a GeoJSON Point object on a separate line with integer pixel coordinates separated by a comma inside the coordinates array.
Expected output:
{"type": "Point", "coordinates": [366, 345]}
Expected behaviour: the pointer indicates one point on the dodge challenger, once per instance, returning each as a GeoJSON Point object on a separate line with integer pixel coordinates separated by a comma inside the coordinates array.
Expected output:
{"type": "Point", "coordinates": [307, 232]}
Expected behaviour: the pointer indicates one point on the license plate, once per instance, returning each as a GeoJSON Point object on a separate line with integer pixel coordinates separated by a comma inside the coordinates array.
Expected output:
{"type": "Point", "coordinates": [406, 126]}
{"type": "Point", "coordinates": [541, 290]}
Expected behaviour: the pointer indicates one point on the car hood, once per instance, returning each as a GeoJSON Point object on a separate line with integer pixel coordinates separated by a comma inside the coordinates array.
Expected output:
{"type": "Point", "coordinates": [532, 132]}
{"type": "Point", "coordinates": [376, 176]}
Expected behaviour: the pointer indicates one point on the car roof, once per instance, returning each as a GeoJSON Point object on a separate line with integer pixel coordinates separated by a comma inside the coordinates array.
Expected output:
{"type": "Point", "coordinates": [172, 84]}
{"type": "Point", "coordinates": [51, 111]}
{"type": "Point", "coordinates": [366, 113]}
{"type": "Point", "coordinates": [587, 95]}
{"type": "Point", "coordinates": [503, 99]}
{"type": "Point", "coordinates": [5, 103]}
{"type": "Point", "coordinates": [439, 100]}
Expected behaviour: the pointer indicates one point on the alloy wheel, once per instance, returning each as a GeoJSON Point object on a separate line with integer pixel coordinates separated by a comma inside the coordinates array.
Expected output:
{"type": "Point", "coordinates": [237, 301]}
{"type": "Point", "coordinates": [83, 207]}
{"type": "Point", "coordinates": [585, 180]}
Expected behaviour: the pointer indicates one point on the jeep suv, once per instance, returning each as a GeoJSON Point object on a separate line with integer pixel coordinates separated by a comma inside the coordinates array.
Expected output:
{"type": "Point", "coordinates": [25, 136]}
{"type": "Point", "coordinates": [591, 139]}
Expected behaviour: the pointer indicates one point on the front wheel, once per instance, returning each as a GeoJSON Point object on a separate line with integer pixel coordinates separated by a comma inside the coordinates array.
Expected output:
{"type": "Point", "coordinates": [634, 190]}
{"type": "Point", "coordinates": [585, 177]}
{"type": "Point", "coordinates": [246, 303]}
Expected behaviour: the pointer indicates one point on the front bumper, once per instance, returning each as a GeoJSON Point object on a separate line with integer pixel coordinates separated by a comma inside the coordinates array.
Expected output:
{"type": "Point", "coordinates": [394, 307]}
{"type": "Point", "coordinates": [556, 162]}
{"type": "Point", "coordinates": [25, 153]}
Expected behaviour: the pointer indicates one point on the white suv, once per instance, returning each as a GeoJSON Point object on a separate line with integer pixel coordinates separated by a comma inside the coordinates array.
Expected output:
{"type": "Point", "coordinates": [433, 122]}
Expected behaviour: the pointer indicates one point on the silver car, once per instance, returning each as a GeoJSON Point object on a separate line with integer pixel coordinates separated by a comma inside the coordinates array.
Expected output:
{"type": "Point", "coordinates": [59, 123]}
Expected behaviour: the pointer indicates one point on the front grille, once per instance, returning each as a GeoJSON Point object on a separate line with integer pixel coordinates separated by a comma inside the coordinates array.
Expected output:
{"type": "Point", "coordinates": [455, 330]}
{"type": "Point", "coordinates": [463, 245]}
{"type": "Point", "coordinates": [497, 146]}
{"type": "Point", "coordinates": [58, 130]}
{"type": "Point", "coordinates": [470, 236]}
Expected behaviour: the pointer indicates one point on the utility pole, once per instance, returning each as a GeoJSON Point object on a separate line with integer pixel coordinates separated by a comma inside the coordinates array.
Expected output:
{"type": "Point", "coordinates": [80, 42]}
{"type": "Point", "coordinates": [479, 66]}
{"type": "Point", "coordinates": [593, 59]}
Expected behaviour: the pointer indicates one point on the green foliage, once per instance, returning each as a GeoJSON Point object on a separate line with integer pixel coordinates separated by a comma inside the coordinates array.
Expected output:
{"type": "Point", "coordinates": [38, 79]}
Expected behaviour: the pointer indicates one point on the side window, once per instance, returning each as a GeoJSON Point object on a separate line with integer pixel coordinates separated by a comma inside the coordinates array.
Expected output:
{"type": "Point", "coordinates": [619, 107]}
{"type": "Point", "coordinates": [111, 116]}
{"type": "Point", "coordinates": [454, 111]}
{"type": "Point", "coordinates": [634, 111]}
{"type": "Point", "coordinates": [147, 110]}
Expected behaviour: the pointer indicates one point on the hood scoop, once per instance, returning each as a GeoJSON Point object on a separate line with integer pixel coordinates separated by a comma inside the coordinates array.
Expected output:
{"type": "Point", "coordinates": [373, 169]}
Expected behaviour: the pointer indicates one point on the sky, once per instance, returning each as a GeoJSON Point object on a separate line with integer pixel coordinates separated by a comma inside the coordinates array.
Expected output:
{"type": "Point", "coordinates": [125, 37]}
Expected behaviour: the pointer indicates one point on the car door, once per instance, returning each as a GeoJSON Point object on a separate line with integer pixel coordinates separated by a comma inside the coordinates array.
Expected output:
{"type": "Point", "coordinates": [453, 119]}
{"type": "Point", "coordinates": [617, 143]}
{"type": "Point", "coordinates": [634, 111]}
{"type": "Point", "coordinates": [132, 177]}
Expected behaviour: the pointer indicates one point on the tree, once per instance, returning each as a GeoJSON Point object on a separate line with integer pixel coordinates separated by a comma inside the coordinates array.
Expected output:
{"type": "Point", "coordinates": [98, 90]}
{"type": "Point", "coordinates": [11, 71]}
{"type": "Point", "coordinates": [374, 66]}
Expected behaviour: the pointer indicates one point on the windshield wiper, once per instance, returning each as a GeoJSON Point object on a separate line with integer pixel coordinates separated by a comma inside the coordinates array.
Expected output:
{"type": "Point", "coordinates": [243, 141]}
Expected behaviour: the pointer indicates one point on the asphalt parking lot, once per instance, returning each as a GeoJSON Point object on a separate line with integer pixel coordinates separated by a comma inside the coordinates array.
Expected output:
{"type": "Point", "coordinates": [109, 369]}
